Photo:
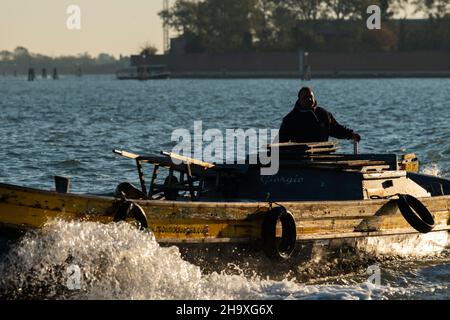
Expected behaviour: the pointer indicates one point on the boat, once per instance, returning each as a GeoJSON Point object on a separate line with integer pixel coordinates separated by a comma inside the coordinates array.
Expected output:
{"type": "Point", "coordinates": [143, 72]}
{"type": "Point", "coordinates": [317, 197]}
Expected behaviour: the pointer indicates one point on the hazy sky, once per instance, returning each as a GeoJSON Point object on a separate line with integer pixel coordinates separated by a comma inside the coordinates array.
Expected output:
{"type": "Point", "coordinates": [112, 26]}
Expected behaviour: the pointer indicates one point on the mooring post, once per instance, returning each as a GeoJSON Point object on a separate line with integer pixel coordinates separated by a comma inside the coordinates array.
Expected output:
{"type": "Point", "coordinates": [31, 75]}
{"type": "Point", "coordinates": [44, 73]}
{"type": "Point", "coordinates": [55, 74]}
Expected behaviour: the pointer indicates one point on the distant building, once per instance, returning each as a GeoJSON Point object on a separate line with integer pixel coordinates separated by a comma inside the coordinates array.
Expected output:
{"type": "Point", "coordinates": [124, 61]}
{"type": "Point", "coordinates": [178, 45]}
{"type": "Point", "coordinates": [143, 67]}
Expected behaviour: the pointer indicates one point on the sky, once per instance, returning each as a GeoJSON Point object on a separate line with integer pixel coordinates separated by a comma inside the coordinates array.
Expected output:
{"type": "Point", "coordinates": [110, 26]}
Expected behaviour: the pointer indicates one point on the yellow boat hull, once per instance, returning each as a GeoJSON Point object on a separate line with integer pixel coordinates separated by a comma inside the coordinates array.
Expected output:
{"type": "Point", "coordinates": [218, 222]}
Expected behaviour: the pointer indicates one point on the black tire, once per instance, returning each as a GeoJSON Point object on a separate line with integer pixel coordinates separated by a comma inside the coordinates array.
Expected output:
{"type": "Point", "coordinates": [275, 248]}
{"type": "Point", "coordinates": [417, 215]}
{"type": "Point", "coordinates": [129, 191]}
{"type": "Point", "coordinates": [129, 209]}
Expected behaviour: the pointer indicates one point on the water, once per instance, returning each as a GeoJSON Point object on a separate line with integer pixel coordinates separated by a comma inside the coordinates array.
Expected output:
{"type": "Point", "coordinates": [69, 128]}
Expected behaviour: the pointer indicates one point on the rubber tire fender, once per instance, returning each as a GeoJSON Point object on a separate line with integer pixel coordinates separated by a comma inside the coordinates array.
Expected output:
{"type": "Point", "coordinates": [130, 209]}
{"type": "Point", "coordinates": [273, 248]}
{"type": "Point", "coordinates": [415, 212]}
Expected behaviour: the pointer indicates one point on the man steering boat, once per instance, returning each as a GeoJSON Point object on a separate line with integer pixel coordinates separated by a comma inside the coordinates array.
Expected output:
{"type": "Point", "coordinates": [310, 123]}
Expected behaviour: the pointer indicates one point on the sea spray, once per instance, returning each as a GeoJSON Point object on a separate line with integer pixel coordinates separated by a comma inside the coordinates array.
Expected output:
{"type": "Point", "coordinates": [420, 245]}
{"type": "Point", "coordinates": [117, 261]}
{"type": "Point", "coordinates": [432, 169]}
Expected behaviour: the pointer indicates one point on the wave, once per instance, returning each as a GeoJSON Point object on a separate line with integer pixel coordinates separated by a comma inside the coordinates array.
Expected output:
{"type": "Point", "coordinates": [117, 261]}
{"type": "Point", "coordinates": [85, 260]}
{"type": "Point", "coordinates": [70, 163]}
{"type": "Point", "coordinates": [432, 169]}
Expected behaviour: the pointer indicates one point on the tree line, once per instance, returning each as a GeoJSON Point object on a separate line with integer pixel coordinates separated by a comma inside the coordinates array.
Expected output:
{"type": "Point", "coordinates": [218, 26]}
{"type": "Point", "coordinates": [20, 59]}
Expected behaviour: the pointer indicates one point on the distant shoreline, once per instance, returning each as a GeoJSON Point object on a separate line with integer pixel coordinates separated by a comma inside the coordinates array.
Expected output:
{"type": "Point", "coordinates": [314, 75]}
{"type": "Point", "coordinates": [283, 75]}
{"type": "Point", "coordinates": [282, 65]}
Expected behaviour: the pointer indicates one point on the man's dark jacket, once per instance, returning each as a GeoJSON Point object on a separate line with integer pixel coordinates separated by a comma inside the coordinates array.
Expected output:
{"type": "Point", "coordinates": [311, 125]}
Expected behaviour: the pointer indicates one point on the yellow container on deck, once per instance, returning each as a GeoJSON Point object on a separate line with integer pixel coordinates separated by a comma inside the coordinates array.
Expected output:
{"type": "Point", "coordinates": [409, 163]}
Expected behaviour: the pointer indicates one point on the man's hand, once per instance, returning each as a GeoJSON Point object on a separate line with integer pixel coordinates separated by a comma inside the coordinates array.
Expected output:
{"type": "Point", "coordinates": [356, 137]}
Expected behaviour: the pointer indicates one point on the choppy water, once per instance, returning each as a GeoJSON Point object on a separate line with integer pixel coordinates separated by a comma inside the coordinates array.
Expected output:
{"type": "Point", "coordinates": [69, 128]}
{"type": "Point", "coordinates": [120, 262]}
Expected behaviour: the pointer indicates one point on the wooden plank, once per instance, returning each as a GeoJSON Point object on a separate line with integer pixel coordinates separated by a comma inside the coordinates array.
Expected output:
{"type": "Point", "coordinates": [384, 175]}
{"type": "Point", "coordinates": [298, 149]}
{"type": "Point", "coordinates": [189, 161]}
{"type": "Point", "coordinates": [153, 159]}
{"type": "Point", "coordinates": [304, 145]}
{"type": "Point", "coordinates": [374, 168]}
{"type": "Point", "coordinates": [338, 165]}
{"type": "Point", "coordinates": [126, 154]}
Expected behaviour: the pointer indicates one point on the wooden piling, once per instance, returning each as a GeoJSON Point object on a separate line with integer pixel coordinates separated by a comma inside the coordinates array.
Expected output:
{"type": "Point", "coordinates": [31, 74]}
{"type": "Point", "coordinates": [55, 74]}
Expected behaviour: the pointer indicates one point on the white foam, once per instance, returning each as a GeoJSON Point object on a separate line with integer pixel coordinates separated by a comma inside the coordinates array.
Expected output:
{"type": "Point", "coordinates": [119, 262]}
{"type": "Point", "coordinates": [432, 169]}
{"type": "Point", "coordinates": [405, 245]}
